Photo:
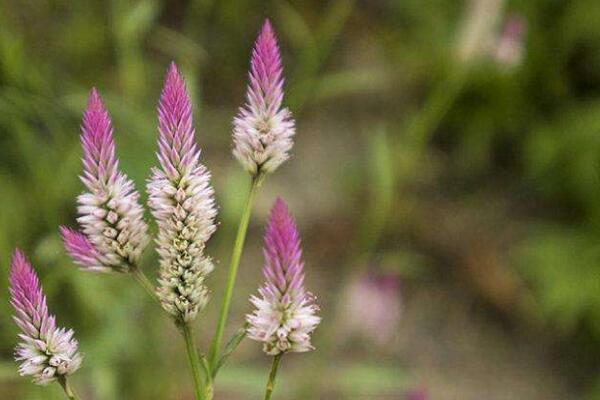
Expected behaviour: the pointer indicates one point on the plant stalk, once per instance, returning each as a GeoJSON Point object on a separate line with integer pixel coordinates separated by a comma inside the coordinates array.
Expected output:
{"type": "Point", "coordinates": [194, 361]}
{"type": "Point", "coordinates": [64, 383]}
{"type": "Point", "coordinates": [233, 268]}
{"type": "Point", "coordinates": [272, 375]}
{"type": "Point", "coordinates": [143, 280]}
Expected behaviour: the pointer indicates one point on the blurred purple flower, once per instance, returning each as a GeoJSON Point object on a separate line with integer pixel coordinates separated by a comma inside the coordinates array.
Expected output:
{"type": "Point", "coordinates": [372, 308]}
{"type": "Point", "coordinates": [182, 201]}
{"type": "Point", "coordinates": [45, 351]}
{"type": "Point", "coordinates": [114, 233]}
{"type": "Point", "coordinates": [285, 316]}
{"type": "Point", "coordinates": [509, 48]}
{"type": "Point", "coordinates": [263, 130]}
{"type": "Point", "coordinates": [416, 394]}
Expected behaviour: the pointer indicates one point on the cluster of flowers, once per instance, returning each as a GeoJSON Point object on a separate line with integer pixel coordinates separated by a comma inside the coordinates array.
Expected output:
{"type": "Point", "coordinates": [113, 233]}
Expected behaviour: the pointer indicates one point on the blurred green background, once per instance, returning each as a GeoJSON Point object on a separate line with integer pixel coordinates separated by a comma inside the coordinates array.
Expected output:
{"type": "Point", "coordinates": [445, 179]}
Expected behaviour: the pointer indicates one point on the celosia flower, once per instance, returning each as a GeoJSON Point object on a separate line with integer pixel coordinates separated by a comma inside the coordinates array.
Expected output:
{"type": "Point", "coordinates": [263, 130]}
{"type": "Point", "coordinates": [45, 351]}
{"type": "Point", "coordinates": [285, 314]}
{"type": "Point", "coordinates": [372, 308]}
{"type": "Point", "coordinates": [112, 220]}
{"type": "Point", "coordinates": [182, 201]}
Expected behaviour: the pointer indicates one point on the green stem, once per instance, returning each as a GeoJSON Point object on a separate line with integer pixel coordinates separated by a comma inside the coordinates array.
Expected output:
{"type": "Point", "coordinates": [272, 375]}
{"type": "Point", "coordinates": [209, 385]}
{"type": "Point", "coordinates": [64, 383]}
{"type": "Point", "coordinates": [230, 347]}
{"type": "Point", "coordinates": [233, 268]}
{"type": "Point", "coordinates": [194, 361]}
{"type": "Point", "coordinates": [427, 120]}
{"type": "Point", "coordinates": [143, 280]}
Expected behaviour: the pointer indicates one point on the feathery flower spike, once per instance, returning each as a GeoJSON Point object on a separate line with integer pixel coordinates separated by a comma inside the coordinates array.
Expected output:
{"type": "Point", "coordinates": [114, 233]}
{"type": "Point", "coordinates": [45, 351]}
{"type": "Point", "coordinates": [182, 201]}
{"type": "Point", "coordinates": [263, 130]}
{"type": "Point", "coordinates": [285, 314]}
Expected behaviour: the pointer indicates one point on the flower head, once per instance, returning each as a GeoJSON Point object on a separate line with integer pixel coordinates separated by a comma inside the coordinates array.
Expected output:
{"type": "Point", "coordinates": [263, 130]}
{"type": "Point", "coordinates": [372, 308]}
{"type": "Point", "coordinates": [182, 201]}
{"type": "Point", "coordinates": [114, 233]}
{"type": "Point", "coordinates": [285, 314]}
{"type": "Point", "coordinates": [45, 351]}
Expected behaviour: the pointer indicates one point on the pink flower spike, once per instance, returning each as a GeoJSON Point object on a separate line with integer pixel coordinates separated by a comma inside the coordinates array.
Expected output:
{"type": "Point", "coordinates": [182, 202]}
{"type": "Point", "coordinates": [114, 233]}
{"type": "Point", "coordinates": [81, 250]}
{"type": "Point", "coordinates": [263, 130]}
{"type": "Point", "coordinates": [285, 314]}
{"type": "Point", "coordinates": [45, 351]}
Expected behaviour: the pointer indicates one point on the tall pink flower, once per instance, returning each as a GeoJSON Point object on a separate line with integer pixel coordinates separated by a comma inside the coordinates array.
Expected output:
{"type": "Point", "coordinates": [45, 351]}
{"type": "Point", "coordinates": [114, 233]}
{"type": "Point", "coordinates": [263, 130]}
{"type": "Point", "coordinates": [182, 201]}
{"type": "Point", "coordinates": [285, 314]}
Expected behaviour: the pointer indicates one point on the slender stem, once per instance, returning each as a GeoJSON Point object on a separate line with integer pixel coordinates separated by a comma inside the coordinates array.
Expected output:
{"type": "Point", "coordinates": [272, 375]}
{"type": "Point", "coordinates": [233, 268]}
{"type": "Point", "coordinates": [190, 347]}
{"type": "Point", "coordinates": [209, 385]}
{"type": "Point", "coordinates": [64, 383]}
{"type": "Point", "coordinates": [143, 280]}
{"type": "Point", "coordinates": [230, 347]}
{"type": "Point", "coordinates": [194, 361]}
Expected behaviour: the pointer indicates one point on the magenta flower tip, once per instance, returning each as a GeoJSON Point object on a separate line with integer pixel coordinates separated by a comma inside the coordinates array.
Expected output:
{"type": "Point", "coordinates": [99, 161]}
{"type": "Point", "coordinates": [24, 284]}
{"type": "Point", "coordinates": [81, 250]}
{"type": "Point", "coordinates": [177, 149]}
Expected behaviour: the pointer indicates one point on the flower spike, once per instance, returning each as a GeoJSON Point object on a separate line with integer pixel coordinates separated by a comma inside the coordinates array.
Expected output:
{"type": "Point", "coordinates": [182, 202]}
{"type": "Point", "coordinates": [285, 314]}
{"type": "Point", "coordinates": [114, 233]}
{"type": "Point", "coordinates": [45, 351]}
{"type": "Point", "coordinates": [263, 130]}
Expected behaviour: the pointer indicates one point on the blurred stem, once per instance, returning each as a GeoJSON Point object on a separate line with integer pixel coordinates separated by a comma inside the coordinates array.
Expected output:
{"type": "Point", "coordinates": [194, 361]}
{"type": "Point", "coordinates": [64, 383]}
{"type": "Point", "coordinates": [272, 375]}
{"type": "Point", "coordinates": [233, 268]}
{"type": "Point", "coordinates": [143, 280]}
{"type": "Point", "coordinates": [439, 102]}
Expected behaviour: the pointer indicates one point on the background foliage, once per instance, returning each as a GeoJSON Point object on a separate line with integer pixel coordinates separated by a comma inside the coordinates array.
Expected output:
{"type": "Point", "coordinates": [419, 156]}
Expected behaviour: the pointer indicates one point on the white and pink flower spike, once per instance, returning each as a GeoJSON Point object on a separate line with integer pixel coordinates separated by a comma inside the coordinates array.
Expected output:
{"type": "Point", "coordinates": [114, 233]}
{"type": "Point", "coordinates": [182, 202]}
{"type": "Point", "coordinates": [263, 130]}
{"type": "Point", "coordinates": [285, 314]}
{"type": "Point", "coordinates": [45, 351]}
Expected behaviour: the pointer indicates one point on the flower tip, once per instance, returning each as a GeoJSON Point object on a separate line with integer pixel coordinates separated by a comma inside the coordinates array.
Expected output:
{"type": "Point", "coordinates": [173, 76]}
{"type": "Point", "coordinates": [67, 234]}
{"type": "Point", "coordinates": [95, 101]}
{"type": "Point", "coordinates": [279, 209]}
{"type": "Point", "coordinates": [267, 36]}
{"type": "Point", "coordinates": [18, 261]}
{"type": "Point", "coordinates": [267, 26]}
{"type": "Point", "coordinates": [20, 270]}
